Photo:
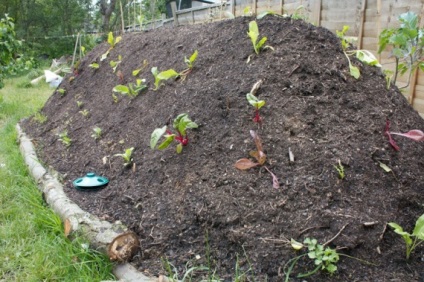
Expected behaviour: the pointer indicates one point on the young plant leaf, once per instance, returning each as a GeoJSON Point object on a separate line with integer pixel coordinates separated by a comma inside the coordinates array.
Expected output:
{"type": "Point", "coordinates": [389, 135]}
{"type": "Point", "coordinates": [296, 245]}
{"type": "Point", "coordinates": [179, 148]}
{"type": "Point", "coordinates": [245, 164]}
{"type": "Point", "coordinates": [121, 89]}
{"type": "Point", "coordinates": [156, 135]}
{"type": "Point", "coordinates": [94, 65]}
{"type": "Point", "coordinates": [165, 75]}
{"type": "Point", "coordinates": [385, 167]}
{"type": "Point", "coordinates": [399, 230]}
{"type": "Point", "coordinates": [254, 101]}
{"type": "Point", "coordinates": [168, 140]}
{"type": "Point", "coordinates": [367, 57]}
{"type": "Point", "coordinates": [354, 71]}
{"type": "Point", "coordinates": [416, 135]}
{"type": "Point", "coordinates": [275, 182]}
{"type": "Point", "coordinates": [419, 228]}
{"type": "Point", "coordinates": [254, 34]}
{"type": "Point", "coordinates": [182, 122]}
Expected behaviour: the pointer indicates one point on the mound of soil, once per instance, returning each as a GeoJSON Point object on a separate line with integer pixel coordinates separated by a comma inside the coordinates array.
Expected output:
{"type": "Point", "coordinates": [196, 207]}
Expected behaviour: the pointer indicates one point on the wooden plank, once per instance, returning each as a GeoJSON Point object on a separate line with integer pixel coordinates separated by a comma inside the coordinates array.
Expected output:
{"type": "Point", "coordinates": [333, 26]}
{"type": "Point", "coordinates": [174, 12]}
{"type": "Point", "coordinates": [379, 21]}
{"type": "Point", "coordinates": [317, 12]}
{"type": "Point", "coordinates": [419, 105]}
{"type": "Point", "coordinates": [361, 24]}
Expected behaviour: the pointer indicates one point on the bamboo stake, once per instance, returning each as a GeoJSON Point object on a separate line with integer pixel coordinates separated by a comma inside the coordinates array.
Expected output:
{"type": "Point", "coordinates": [122, 19]}
{"type": "Point", "coordinates": [414, 78]}
{"type": "Point", "coordinates": [361, 24]}
{"type": "Point", "coordinates": [317, 16]}
{"type": "Point", "coordinates": [378, 24]}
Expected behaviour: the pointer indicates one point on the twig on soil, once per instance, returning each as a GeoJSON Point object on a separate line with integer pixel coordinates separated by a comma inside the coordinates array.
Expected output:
{"type": "Point", "coordinates": [313, 227]}
{"type": "Point", "coordinates": [283, 241]}
{"type": "Point", "coordinates": [382, 233]}
{"type": "Point", "coordinates": [337, 235]}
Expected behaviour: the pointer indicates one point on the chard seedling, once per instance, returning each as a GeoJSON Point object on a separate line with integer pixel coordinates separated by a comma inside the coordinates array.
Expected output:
{"type": "Point", "coordinates": [112, 42]}
{"type": "Point", "coordinates": [115, 64]}
{"type": "Point", "coordinates": [412, 241]}
{"type": "Point", "coordinates": [190, 64]}
{"type": "Point", "coordinates": [85, 112]}
{"type": "Point", "coordinates": [415, 134]}
{"type": "Point", "coordinates": [94, 65]}
{"type": "Point", "coordinates": [64, 138]}
{"type": "Point", "coordinates": [80, 104]}
{"type": "Point", "coordinates": [40, 118]}
{"type": "Point", "coordinates": [254, 35]}
{"type": "Point", "coordinates": [255, 102]}
{"type": "Point", "coordinates": [181, 123]}
{"type": "Point", "coordinates": [164, 75]}
{"type": "Point", "coordinates": [340, 170]}
{"type": "Point", "coordinates": [97, 133]}
{"type": "Point", "coordinates": [137, 71]}
{"type": "Point", "coordinates": [364, 56]}
{"type": "Point", "coordinates": [259, 155]}
{"type": "Point", "coordinates": [126, 156]}
{"type": "Point", "coordinates": [61, 91]}
{"type": "Point", "coordinates": [133, 89]}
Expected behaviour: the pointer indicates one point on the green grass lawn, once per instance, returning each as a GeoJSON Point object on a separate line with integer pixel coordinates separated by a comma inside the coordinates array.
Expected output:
{"type": "Point", "coordinates": [33, 246]}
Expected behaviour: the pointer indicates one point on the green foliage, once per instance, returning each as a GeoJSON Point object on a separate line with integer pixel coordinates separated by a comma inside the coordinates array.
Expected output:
{"type": "Point", "coordinates": [39, 117]}
{"type": "Point", "coordinates": [84, 112]}
{"type": "Point", "coordinates": [324, 258]}
{"type": "Point", "coordinates": [126, 156]}
{"type": "Point", "coordinates": [407, 43]}
{"type": "Point", "coordinates": [254, 35]}
{"type": "Point", "coordinates": [254, 101]}
{"type": "Point", "coordinates": [340, 170]}
{"type": "Point", "coordinates": [112, 40]}
{"type": "Point", "coordinates": [181, 123]}
{"type": "Point", "coordinates": [190, 61]}
{"type": "Point", "coordinates": [161, 76]}
{"type": "Point", "coordinates": [61, 91]}
{"type": "Point", "coordinates": [364, 56]}
{"type": "Point", "coordinates": [133, 89]}
{"type": "Point", "coordinates": [412, 241]}
{"type": "Point", "coordinates": [115, 64]}
{"type": "Point", "coordinates": [64, 138]}
{"type": "Point", "coordinates": [97, 132]}
{"type": "Point", "coordinates": [12, 60]}
{"type": "Point", "coordinates": [94, 66]}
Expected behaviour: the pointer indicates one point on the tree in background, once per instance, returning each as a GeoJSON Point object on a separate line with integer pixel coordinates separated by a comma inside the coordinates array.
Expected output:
{"type": "Point", "coordinates": [106, 10]}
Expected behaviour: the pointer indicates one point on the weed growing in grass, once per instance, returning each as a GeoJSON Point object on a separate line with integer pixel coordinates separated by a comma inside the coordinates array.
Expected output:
{"type": "Point", "coordinates": [412, 241]}
{"type": "Point", "coordinates": [39, 117]}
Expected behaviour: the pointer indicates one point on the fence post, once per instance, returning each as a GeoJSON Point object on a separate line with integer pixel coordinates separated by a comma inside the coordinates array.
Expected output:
{"type": "Point", "coordinates": [174, 12]}
{"type": "Point", "coordinates": [361, 24]}
{"type": "Point", "coordinates": [414, 77]}
{"type": "Point", "coordinates": [317, 13]}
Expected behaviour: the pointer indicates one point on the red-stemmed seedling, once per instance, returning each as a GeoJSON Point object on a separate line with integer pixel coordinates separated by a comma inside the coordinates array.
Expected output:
{"type": "Point", "coordinates": [260, 157]}
{"type": "Point", "coordinates": [181, 123]}
{"type": "Point", "coordinates": [255, 102]}
{"type": "Point", "coordinates": [415, 134]}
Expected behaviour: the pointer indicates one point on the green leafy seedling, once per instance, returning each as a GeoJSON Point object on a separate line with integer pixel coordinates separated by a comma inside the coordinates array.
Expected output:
{"type": "Point", "coordinates": [64, 138]}
{"type": "Point", "coordinates": [61, 91]}
{"type": "Point", "coordinates": [112, 40]}
{"type": "Point", "coordinates": [364, 56]}
{"type": "Point", "coordinates": [85, 112]}
{"type": "Point", "coordinates": [254, 36]}
{"type": "Point", "coordinates": [412, 241]}
{"type": "Point", "coordinates": [164, 75]}
{"type": "Point", "coordinates": [97, 133]}
{"type": "Point", "coordinates": [126, 156]}
{"type": "Point", "coordinates": [407, 45]}
{"type": "Point", "coordinates": [324, 258]}
{"type": "Point", "coordinates": [340, 170]}
{"type": "Point", "coordinates": [115, 64]}
{"type": "Point", "coordinates": [181, 123]}
{"type": "Point", "coordinates": [255, 102]}
{"type": "Point", "coordinates": [133, 89]}
{"type": "Point", "coordinates": [80, 104]}
{"type": "Point", "coordinates": [94, 65]}
{"type": "Point", "coordinates": [190, 64]}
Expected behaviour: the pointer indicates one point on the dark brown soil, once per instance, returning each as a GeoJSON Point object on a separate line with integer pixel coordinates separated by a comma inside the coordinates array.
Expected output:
{"type": "Point", "coordinates": [196, 207]}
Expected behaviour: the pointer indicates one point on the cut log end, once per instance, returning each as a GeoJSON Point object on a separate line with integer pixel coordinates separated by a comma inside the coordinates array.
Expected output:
{"type": "Point", "coordinates": [123, 247]}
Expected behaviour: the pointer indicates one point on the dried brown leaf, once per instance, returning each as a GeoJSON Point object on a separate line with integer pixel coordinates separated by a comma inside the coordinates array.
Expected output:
{"type": "Point", "coordinates": [244, 164]}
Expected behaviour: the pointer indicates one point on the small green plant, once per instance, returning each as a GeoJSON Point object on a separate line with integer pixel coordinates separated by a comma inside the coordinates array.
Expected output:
{"type": "Point", "coordinates": [362, 55]}
{"type": "Point", "coordinates": [115, 98]}
{"type": "Point", "coordinates": [97, 132]}
{"type": "Point", "coordinates": [412, 241]}
{"type": "Point", "coordinates": [172, 271]}
{"type": "Point", "coordinates": [190, 64]}
{"type": "Point", "coordinates": [259, 155]}
{"type": "Point", "coordinates": [61, 91]}
{"type": "Point", "coordinates": [64, 138]}
{"type": "Point", "coordinates": [164, 75]}
{"type": "Point", "coordinates": [80, 104]}
{"type": "Point", "coordinates": [112, 42]}
{"type": "Point", "coordinates": [94, 66]}
{"type": "Point", "coordinates": [258, 104]}
{"type": "Point", "coordinates": [407, 44]}
{"type": "Point", "coordinates": [137, 71]}
{"type": "Point", "coordinates": [39, 117]}
{"type": "Point", "coordinates": [115, 64]}
{"type": "Point", "coordinates": [254, 35]}
{"type": "Point", "coordinates": [181, 123]}
{"type": "Point", "coordinates": [126, 156]}
{"type": "Point", "coordinates": [133, 89]}
{"type": "Point", "coordinates": [324, 258]}
{"type": "Point", "coordinates": [84, 112]}
{"type": "Point", "coordinates": [414, 134]}
{"type": "Point", "coordinates": [340, 170]}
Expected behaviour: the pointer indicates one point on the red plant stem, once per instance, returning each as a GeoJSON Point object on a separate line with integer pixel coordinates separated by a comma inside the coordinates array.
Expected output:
{"type": "Point", "coordinates": [391, 141]}
{"type": "Point", "coordinates": [182, 139]}
{"type": "Point", "coordinates": [257, 117]}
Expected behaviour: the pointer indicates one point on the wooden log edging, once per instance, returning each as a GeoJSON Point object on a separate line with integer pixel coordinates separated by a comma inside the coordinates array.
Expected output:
{"type": "Point", "coordinates": [100, 233]}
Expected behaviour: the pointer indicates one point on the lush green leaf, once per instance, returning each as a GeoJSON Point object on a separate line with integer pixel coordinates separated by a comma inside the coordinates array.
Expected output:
{"type": "Point", "coordinates": [419, 228]}
{"type": "Point", "coordinates": [121, 89]}
{"type": "Point", "coordinates": [156, 135]}
{"type": "Point", "coordinates": [168, 140]}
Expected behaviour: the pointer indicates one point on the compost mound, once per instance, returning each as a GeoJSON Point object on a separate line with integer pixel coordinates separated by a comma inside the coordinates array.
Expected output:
{"type": "Point", "coordinates": [196, 208]}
